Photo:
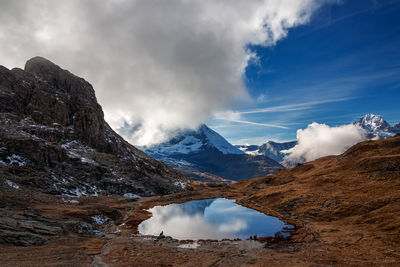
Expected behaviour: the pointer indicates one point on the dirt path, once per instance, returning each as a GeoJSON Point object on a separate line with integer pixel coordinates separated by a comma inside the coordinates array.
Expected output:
{"type": "Point", "coordinates": [97, 259]}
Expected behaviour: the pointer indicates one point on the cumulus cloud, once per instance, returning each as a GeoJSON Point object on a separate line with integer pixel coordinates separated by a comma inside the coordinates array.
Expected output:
{"type": "Point", "coordinates": [158, 65]}
{"type": "Point", "coordinates": [319, 140]}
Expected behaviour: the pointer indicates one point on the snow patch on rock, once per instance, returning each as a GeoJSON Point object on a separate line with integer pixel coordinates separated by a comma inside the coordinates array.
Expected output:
{"type": "Point", "coordinates": [131, 195]}
{"type": "Point", "coordinates": [15, 160]}
{"type": "Point", "coordinates": [182, 184]}
{"type": "Point", "coordinates": [12, 184]}
{"type": "Point", "coordinates": [189, 246]}
{"type": "Point", "coordinates": [72, 201]}
{"type": "Point", "coordinates": [100, 219]}
{"type": "Point", "coordinates": [75, 149]}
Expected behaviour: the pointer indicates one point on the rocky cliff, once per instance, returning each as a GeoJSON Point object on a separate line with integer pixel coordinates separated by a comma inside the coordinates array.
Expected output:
{"type": "Point", "coordinates": [53, 137]}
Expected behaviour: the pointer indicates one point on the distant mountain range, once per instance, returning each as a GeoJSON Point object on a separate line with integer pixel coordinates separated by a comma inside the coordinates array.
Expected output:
{"type": "Point", "coordinates": [205, 155]}
{"type": "Point", "coordinates": [269, 149]}
{"type": "Point", "coordinates": [375, 126]}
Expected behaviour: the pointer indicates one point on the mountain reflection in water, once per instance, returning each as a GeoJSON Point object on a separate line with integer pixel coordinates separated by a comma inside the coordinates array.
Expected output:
{"type": "Point", "coordinates": [210, 219]}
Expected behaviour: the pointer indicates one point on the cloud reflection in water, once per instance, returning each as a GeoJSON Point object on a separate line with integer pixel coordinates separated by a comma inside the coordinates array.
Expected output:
{"type": "Point", "coordinates": [209, 219]}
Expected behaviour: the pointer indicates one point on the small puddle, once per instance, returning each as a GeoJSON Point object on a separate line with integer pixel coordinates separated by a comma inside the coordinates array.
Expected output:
{"type": "Point", "coordinates": [216, 219]}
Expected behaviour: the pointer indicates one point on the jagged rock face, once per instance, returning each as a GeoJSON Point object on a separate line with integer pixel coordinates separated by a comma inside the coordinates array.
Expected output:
{"type": "Point", "coordinates": [51, 95]}
{"type": "Point", "coordinates": [72, 101]}
{"type": "Point", "coordinates": [54, 137]}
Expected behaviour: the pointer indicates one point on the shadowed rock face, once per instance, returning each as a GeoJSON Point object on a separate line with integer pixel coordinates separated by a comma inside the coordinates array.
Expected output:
{"type": "Point", "coordinates": [53, 136]}
{"type": "Point", "coordinates": [50, 95]}
{"type": "Point", "coordinates": [71, 101]}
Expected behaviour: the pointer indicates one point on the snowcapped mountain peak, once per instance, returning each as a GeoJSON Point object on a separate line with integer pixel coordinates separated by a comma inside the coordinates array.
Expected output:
{"type": "Point", "coordinates": [375, 126]}
{"type": "Point", "coordinates": [372, 123]}
{"type": "Point", "coordinates": [190, 141]}
{"type": "Point", "coordinates": [270, 149]}
{"type": "Point", "coordinates": [217, 141]}
{"type": "Point", "coordinates": [205, 155]}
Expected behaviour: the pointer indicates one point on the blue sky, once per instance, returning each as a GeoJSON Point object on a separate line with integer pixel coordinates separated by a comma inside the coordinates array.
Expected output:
{"type": "Point", "coordinates": [341, 65]}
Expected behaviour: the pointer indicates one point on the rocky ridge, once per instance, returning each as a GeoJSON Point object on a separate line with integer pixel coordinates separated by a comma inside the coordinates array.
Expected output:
{"type": "Point", "coordinates": [53, 137]}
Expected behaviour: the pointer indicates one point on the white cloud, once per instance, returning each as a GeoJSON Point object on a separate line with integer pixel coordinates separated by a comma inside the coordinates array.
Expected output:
{"type": "Point", "coordinates": [159, 65]}
{"type": "Point", "coordinates": [260, 124]}
{"type": "Point", "coordinates": [294, 107]}
{"type": "Point", "coordinates": [319, 140]}
{"type": "Point", "coordinates": [236, 117]}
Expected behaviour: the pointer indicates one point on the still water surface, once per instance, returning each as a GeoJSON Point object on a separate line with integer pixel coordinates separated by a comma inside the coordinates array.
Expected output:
{"type": "Point", "coordinates": [216, 218]}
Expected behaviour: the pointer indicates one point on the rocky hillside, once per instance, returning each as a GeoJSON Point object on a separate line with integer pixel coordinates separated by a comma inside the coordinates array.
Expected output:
{"type": "Point", "coordinates": [53, 137]}
{"type": "Point", "coordinates": [348, 204]}
{"type": "Point", "coordinates": [359, 182]}
{"type": "Point", "coordinates": [345, 210]}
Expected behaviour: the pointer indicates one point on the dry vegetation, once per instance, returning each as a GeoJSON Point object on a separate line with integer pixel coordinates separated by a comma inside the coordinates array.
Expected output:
{"type": "Point", "coordinates": [346, 210]}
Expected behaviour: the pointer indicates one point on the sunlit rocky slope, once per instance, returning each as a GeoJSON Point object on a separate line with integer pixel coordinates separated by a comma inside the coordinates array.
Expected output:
{"type": "Point", "coordinates": [348, 205]}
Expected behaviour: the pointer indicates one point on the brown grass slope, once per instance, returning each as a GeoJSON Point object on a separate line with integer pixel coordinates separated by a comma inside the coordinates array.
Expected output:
{"type": "Point", "coordinates": [346, 210]}
{"type": "Point", "coordinates": [350, 203]}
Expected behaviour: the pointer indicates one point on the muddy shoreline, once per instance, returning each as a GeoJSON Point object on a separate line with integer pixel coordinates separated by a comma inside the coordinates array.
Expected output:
{"type": "Point", "coordinates": [109, 246]}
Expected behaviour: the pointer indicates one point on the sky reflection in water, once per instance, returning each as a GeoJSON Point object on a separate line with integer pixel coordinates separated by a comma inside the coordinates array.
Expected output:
{"type": "Point", "coordinates": [210, 219]}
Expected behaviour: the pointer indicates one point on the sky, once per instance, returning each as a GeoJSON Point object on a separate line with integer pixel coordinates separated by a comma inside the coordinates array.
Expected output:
{"type": "Point", "coordinates": [341, 65]}
{"type": "Point", "coordinates": [252, 70]}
